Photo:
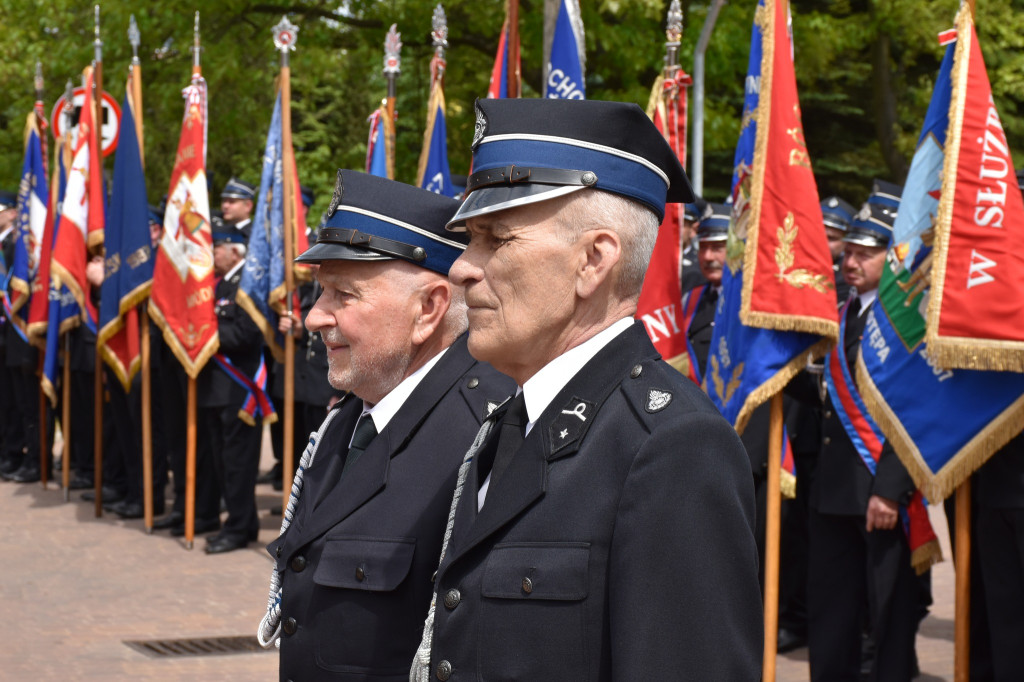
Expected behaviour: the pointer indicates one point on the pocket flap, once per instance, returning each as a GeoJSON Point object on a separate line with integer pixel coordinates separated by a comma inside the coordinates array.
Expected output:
{"type": "Point", "coordinates": [541, 570]}
{"type": "Point", "coordinates": [362, 563]}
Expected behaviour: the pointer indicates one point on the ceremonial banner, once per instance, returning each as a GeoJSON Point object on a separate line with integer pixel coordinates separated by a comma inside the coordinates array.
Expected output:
{"type": "Point", "coordinates": [433, 173]}
{"type": "Point", "coordinates": [380, 145]}
{"type": "Point", "coordinates": [498, 87]}
{"type": "Point", "coordinates": [129, 255]}
{"type": "Point", "coordinates": [778, 301]}
{"type": "Point", "coordinates": [56, 313]}
{"type": "Point", "coordinates": [181, 301]}
{"type": "Point", "coordinates": [660, 306]}
{"type": "Point", "coordinates": [568, 55]}
{"type": "Point", "coordinates": [261, 291]}
{"type": "Point", "coordinates": [30, 225]}
{"type": "Point", "coordinates": [81, 220]}
{"type": "Point", "coordinates": [910, 397]}
{"type": "Point", "coordinates": [976, 309]}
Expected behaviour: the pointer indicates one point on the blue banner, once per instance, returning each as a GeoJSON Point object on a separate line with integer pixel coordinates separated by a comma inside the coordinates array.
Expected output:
{"type": "Point", "coordinates": [747, 365]}
{"type": "Point", "coordinates": [263, 274]}
{"type": "Point", "coordinates": [30, 222]}
{"type": "Point", "coordinates": [377, 151]}
{"type": "Point", "coordinates": [910, 397]}
{"type": "Point", "coordinates": [565, 70]}
{"type": "Point", "coordinates": [434, 173]}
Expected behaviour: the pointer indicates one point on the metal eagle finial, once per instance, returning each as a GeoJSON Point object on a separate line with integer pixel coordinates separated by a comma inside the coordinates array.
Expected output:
{"type": "Point", "coordinates": [133, 38]}
{"type": "Point", "coordinates": [39, 79]}
{"type": "Point", "coordinates": [69, 106]}
{"type": "Point", "coordinates": [97, 42]}
{"type": "Point", "coordinates": [196, 48]}
{"type": "Point", "coordinates": [674, 22]}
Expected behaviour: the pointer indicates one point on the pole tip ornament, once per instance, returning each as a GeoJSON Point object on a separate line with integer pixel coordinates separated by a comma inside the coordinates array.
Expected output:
{"type": "Point", "coordinates": [440, 32]}
{"type": "Point", "coordinates": [285, 35]}
{"type": "Point", "coordinates": [134, 37]}
{"type": "Point", "coordinates": [392, 52]}
{"type": "Point", "coordinates": [674, 22]}
{"type": "Point", "coordinates": [39, 76]}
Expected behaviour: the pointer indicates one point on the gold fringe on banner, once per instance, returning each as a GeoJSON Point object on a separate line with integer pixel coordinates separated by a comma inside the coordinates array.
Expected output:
{"type": "Point", "coordinates": [938, 485]}
{"type": "Point", "coordinates": [192, 367]}
{"type": "Point", "coordinates": [787, 484]}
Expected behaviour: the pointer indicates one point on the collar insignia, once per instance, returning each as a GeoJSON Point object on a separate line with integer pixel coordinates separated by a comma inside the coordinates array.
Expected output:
{"type": "Point", "coordinates": [657, 400]}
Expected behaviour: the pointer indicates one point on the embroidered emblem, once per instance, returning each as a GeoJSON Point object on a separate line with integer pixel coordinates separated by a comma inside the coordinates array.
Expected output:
{"type": "Point", "coordinates": [569, 426]}
{"type": "Point", "coordinates": [578, 411]}
{"type": "Point", "coordinates": [563, 434]}
{"type": "Point", "coordinates": [336, 197]}
{"type": "Point", "coordinates": [480, 129]}
{"type": "Point", "coordinates": [658, 400]}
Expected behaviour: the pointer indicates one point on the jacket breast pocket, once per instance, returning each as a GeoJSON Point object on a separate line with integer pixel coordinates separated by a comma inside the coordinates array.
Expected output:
{"type": "Point", "coordinates": [534, 608]}
{"type": "Point", "coordinates": [365, 623]}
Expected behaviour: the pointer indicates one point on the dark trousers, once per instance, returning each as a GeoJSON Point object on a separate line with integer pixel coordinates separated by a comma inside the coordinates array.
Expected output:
{"type": "Point", "coordinates": [307, 419]}
{"type": "Point", "coordinates": [126, 412]}
{"type": "Point", "coordinates": [229, 453]}
{"type": "Point", "coordinates": [79, 434]}
{"type": "Point", "coordinates": [849, 569]}
{"type": "Point", "coordinates": [25, 396]}
{"type": "Point", "coordinates": [173, 383]}
{"type": "Point", "coordinates": [1000, 536]}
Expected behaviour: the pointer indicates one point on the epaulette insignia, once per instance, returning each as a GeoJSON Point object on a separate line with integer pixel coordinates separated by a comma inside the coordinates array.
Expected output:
{"type": "Point", "coordinates": [570, 423]}
{"type": "Point", "coordinates": [657, 400]}
{"type": "Point", "coordinates": [490, 407]}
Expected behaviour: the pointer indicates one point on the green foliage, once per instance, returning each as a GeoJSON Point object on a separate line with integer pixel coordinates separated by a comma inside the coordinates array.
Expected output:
{"type": "Point", "coordinates": [859, 63]}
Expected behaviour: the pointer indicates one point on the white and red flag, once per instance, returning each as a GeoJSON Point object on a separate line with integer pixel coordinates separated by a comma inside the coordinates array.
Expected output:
{"type": "Point", "coordinates": [182, 300]}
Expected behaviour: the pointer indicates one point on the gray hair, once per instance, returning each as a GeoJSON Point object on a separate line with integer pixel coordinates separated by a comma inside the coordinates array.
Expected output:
{"type": "Point", "coordinates": [636, 224]}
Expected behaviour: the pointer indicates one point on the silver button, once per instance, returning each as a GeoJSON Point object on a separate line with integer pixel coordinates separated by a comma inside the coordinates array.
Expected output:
{"type": "Point", "coordinates": [527, 585]}
{"type": "Point", "coordinates": [444, 670]}
{"type": "Point", "coordinates": [636, 371]}
{"type": "Point", "coordinates": [451, 599]}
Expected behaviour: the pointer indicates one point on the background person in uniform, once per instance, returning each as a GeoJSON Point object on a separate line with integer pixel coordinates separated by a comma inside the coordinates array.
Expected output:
{"type": "Point", "coordinates": [689, 270]}
{"type": "Point", "coordinates": [605, 527]}
{"type": "Point", "coordinates": [836, 215]}
{"type": "Point", "coordinates": [236, 204]}
{"type": "Point", "coordinates": [228, 449]}
{"type": "Point", "coordinates": [712, 233]}
{"type": "Point", "coordinates": [356, 562]}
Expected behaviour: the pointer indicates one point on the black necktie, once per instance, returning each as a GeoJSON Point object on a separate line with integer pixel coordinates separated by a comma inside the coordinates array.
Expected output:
{"type": "Point", "coordinates": [509, 439]}
{"type": "Point", "coordinates": [853, 312]}
{"type": "Point", "coordinates": [365, 432]}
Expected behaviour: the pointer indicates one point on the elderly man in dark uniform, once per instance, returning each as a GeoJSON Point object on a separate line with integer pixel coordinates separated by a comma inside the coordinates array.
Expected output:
{"type": "Point", "coordinates": [689, 270]}
{"type": "Point", "coordinates": [603, 525]}
{"type": "Point", "coordinates": [712, 233]}
{"type": "Point", "coordinates": [363, 529]}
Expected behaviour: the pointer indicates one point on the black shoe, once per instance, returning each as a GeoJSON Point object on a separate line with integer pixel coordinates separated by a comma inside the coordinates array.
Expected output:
{"type": "Point", "coordinates": [175, 518]}
{"type": "Point", "coordinates": [201, 526]}
{"type": "Point", "coordinates": [274, 474]}
{"type": "Point", "coordinates": [789, 640]}
{"type": "Point", "coordinates": [276, 510]}
{"type": "Point", "coordinates": [225, 544]}
{"type": "Point", "coordinates": [253, 536]}
{"type": "Point", "coordinates": [278, 484]}
{"type": "Point", "coordinates": [9, 466]}
{"type": "Point", "coordinates": [135, 510]}
{"type": "Point", "coordinates": [80, 483]}
{"type": "Point", "coordinates": [25, 475]}
{"type": "Point", "coordinates": [109, 495]}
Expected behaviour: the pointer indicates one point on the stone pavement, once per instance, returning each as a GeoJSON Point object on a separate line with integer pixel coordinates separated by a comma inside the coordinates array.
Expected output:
{"type": "Point", "coordinates": [76, 587]}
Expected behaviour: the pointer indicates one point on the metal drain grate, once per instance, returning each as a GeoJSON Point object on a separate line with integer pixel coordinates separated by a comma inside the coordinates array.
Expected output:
{"type": "Point", "coordinates": [202, 646]}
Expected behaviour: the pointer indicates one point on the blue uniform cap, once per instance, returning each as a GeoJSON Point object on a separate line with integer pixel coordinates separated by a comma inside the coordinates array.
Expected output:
{"type": "Point", "coordinates": [714, 224]}
{"type": "Point", "coordinates": [531, 150]}
{"type": "Point", "coordinates": [375, 219]}
{"type": "Point", "coordinates": [872, 226]}
{"type": "Point", "coordinates": [837, 213]}
{"type": "Point", "coordinates": [238, 189]}
{"type": "Point", "coordinates": [694, 210]}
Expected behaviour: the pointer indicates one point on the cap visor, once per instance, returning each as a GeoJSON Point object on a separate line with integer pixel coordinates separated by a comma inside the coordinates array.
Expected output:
{"type": "Point", "coordinates": [494, 199]}
{"type": "Point", "coordinates": [866, 240]}
{"type": "Point", "coordinates": [325, 251]}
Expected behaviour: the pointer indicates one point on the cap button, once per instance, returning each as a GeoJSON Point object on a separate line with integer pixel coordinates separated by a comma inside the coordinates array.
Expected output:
{"type": "Point", "coordinates": [588, 178]}
{"type": "Point", "coordinates": [418, 253]}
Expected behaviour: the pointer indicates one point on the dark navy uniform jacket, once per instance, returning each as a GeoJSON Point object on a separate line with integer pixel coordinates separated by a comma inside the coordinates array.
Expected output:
{"type": "Point", "coordinates": [240, 340]}
{"type": "Point", "coordinates": [619, 547]}
{"type": "Point", "coordinates": [357, 560]}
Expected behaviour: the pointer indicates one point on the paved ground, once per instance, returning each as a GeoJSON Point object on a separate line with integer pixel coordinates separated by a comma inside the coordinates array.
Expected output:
{"type": "Point", "coordinates": [74, 588]}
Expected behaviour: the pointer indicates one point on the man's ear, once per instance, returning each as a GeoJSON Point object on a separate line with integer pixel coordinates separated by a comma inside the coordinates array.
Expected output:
{"type": "Point", "coordinates": [602, 252]}
{"type": "Point", "coordinates": [434, 300]}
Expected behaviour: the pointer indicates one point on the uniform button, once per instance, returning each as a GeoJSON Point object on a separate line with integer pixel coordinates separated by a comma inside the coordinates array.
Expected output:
{"type": "Point", "coordinates": [299, 564]}
{"type": "Point", "coordinates": [452, 599]}
{"type": "Point", "coordinates": [290, 626]}
{"type": "Point", "coordinates": [828, 414]}
{"type": "Point", "coordinates": [473, 383]}
{"type": "Point", "coordinates": [827, 440]}
{"type": "Point", "coordinates": [360, 574]}
{"type": "Point", "coordinates": [527, 585]}
{"type": "Point", "coordinates": [444, 670]}
{"type": "Point", "coordinates": [636, 371]}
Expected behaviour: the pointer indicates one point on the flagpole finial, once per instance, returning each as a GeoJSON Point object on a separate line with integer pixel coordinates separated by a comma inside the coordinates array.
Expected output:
{"type": "Point", "coordinates": [393, 52]}
{"type": "Point", "coordinates": [69, 106]}
{"type": "Point", "coordinates": [196, 49]}
{"type": "Point", "coordinates": [39, 79]}
{"type": "Point", "coordinates": [439, 35]}
{"type": "Point", "coordinates": [673, 34]}
{"type": "Point", "coordinates": [97, 42]}
{"type": "Point", "coordinates": [133, 38]}
{"type": "Point", "coordinates": [285, 36]}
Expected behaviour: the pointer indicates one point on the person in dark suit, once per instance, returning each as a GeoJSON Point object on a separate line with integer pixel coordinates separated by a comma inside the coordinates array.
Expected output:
{"type": "Point", "coordinates": [362, 532]}
{"type": "Point", "coordinates": [228, 446]}
{"type": "Point", "coordinates": [690, 275]}
{"type": "Point", "coordinates": [712, 233]}
{"type": "Point", "coordinates": [836, 215]}
{"type": "Point", "coordinates": [604, 527]}
{"type": "Point", "coordinates": [859, 555]}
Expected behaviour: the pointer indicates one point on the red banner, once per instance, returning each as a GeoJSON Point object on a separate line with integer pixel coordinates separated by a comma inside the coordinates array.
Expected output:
{"type": "Point", "coordinates": [660, 306]}
{"type": "Point", "coordinates": [787, 273]}
{"type": "Point", "coordinates": [181, 301]}
{"type": "Point", "coordinates": [976, 306]}
{"type": "Point", "coordinates": [81, 220]}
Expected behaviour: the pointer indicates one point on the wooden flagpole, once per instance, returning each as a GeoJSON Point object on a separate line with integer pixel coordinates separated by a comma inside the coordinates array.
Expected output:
{"type": "Point", "coordinates": [772, 536]}
{"type": "Point", "coordinates": [962, 564]}
{"type": "Point", "coordinates": [147, 387]}
{"type": "Point", "coordinates": [98, 376]}
{"type": "Point", "coordinates": [285, 35]}
{"type": "Point", "coordinates": [190, 429]}
{"type": "Point", "coordinates": [512, 67]}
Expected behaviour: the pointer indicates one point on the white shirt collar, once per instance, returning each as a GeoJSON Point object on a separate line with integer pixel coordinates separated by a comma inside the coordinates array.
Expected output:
{"type": "Point", "coordinates": [866, 299]}
{"type": "Point", "coordinates": [542, 387]}
{"type": "Point", "coordinates": [230, 273]}
{"type": "Point", "coordinates": [390, 404]}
